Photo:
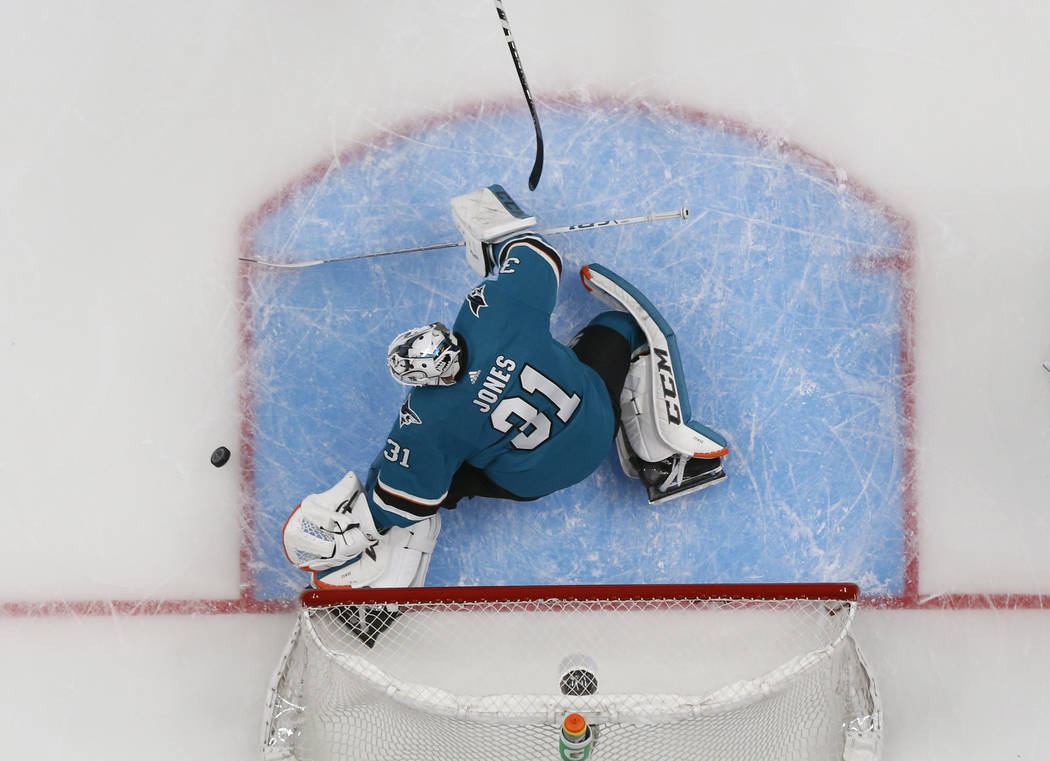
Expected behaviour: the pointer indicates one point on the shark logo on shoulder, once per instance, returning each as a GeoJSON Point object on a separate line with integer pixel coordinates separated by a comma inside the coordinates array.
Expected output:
{"type": "Point", "coordinates": [407, 415]}
{"type": "Point", "coordinates": [476, 300]}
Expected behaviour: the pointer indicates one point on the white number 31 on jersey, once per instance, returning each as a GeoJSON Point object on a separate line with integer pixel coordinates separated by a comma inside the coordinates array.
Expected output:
{"type": "Point", "coordinates": [396, 453]}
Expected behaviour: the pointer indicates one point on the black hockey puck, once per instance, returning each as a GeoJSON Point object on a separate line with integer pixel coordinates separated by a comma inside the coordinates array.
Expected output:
{"type": "Point", "coordinates": [220, 457]}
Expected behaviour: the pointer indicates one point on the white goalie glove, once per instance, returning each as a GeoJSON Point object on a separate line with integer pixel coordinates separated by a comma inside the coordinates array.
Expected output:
{"type": "Point", "coordinates": [400, 559]}
{"type": "Point", "coordinates": [328, 529]}
{"type": "Point", "coordinates": [485, 217]}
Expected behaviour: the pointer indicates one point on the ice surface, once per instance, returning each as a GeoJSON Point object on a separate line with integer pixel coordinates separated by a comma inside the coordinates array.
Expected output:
{"type": "Point", "coordinates": [787, 288]}
{"type": "Point", "coordinates": [824, 147]}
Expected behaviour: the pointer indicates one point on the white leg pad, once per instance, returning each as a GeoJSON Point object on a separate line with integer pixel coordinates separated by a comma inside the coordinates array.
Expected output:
{"type": "Point", "coordinates": [638, 418]}
{"type": "Point", "coordinates": [654, 405]}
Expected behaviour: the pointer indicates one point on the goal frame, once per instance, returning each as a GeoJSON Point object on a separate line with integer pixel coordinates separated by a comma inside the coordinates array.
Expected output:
{"type": "Point", "coordinates": [862, 740]}
{"type": "Point", "coordinates": [759, 592]}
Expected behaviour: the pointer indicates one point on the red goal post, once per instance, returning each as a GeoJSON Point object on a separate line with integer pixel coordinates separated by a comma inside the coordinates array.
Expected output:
{"type": "Point", "coordinates": [682, 671]}
{"type": "Point", "coordinates": [845, 591]}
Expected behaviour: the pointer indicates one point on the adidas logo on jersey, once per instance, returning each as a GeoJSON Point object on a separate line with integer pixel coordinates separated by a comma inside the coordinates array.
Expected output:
{"type": "Point", "coordinates": [474, 375]}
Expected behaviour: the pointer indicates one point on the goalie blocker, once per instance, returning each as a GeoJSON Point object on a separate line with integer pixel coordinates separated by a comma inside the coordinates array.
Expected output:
{"type": "Point", "coordinates": [484, 218]}
{"type": "Point", "coordinates": [657, 441]}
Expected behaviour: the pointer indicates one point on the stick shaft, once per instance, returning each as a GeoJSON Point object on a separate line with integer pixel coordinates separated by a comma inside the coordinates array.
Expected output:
{"type": "Point", "coordinates": [682, 213]}
{"type": "Point", "coordinates": [537, 165]}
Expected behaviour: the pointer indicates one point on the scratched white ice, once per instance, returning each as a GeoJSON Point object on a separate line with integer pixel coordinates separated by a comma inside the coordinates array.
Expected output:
{"type": "Point", "coordinates": [143, 143]}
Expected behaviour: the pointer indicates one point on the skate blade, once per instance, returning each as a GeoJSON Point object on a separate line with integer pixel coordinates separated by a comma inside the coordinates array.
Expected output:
{"type": "Point", "coordinates": [710, 479]}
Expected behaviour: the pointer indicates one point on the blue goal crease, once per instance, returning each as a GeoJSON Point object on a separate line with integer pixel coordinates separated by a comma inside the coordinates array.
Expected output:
{"type": "Point", "coordinates": [787, 346]}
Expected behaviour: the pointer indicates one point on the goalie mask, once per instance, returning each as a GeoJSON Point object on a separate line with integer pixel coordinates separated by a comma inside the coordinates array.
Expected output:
{"type": "Point", "coordinates": [427, 356]}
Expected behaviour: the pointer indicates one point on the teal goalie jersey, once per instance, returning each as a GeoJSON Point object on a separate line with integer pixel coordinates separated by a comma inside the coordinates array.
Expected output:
{"type": "Point", "coordinates": [524, 409]}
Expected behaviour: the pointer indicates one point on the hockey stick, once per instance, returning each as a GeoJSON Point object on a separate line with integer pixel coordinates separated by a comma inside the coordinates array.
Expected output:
{"type": "Point", "coordinates": [682, 213]}
{"type": "Point", "coordinates": [537, 166]}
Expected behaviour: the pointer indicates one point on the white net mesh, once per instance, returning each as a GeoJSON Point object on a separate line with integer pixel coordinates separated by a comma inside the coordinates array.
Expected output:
{"type": "Point", "coordinates": [680, 678]}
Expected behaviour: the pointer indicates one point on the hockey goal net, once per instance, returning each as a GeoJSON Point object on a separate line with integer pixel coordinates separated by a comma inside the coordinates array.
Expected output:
{"type": "Point", "coordinates": [660, 672]}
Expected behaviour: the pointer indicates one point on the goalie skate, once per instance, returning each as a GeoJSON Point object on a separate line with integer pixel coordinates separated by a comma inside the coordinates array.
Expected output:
{"type": "Point", "coordinates": [672, 477]}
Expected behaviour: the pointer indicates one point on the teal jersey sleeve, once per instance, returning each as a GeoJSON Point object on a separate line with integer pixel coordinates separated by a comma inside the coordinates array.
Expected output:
{"type": "Point", "coordinates": [409, 478]}
{"type": "Point", "coordinates": [530, 269]}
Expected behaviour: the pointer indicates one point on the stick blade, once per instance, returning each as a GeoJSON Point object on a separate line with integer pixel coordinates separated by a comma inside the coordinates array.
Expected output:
{"type": "Point", "coordinates": [537, 167]}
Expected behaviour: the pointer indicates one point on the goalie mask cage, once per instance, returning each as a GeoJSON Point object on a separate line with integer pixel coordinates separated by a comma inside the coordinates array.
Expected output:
{"type": "Point", "coordinates": [674, 672]}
